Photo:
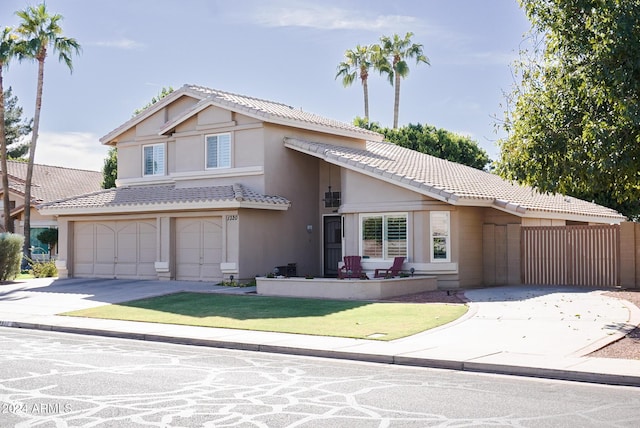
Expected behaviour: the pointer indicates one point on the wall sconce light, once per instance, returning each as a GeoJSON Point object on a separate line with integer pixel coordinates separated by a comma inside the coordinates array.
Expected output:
{"type": "Point", "coordinates": [309, 228]}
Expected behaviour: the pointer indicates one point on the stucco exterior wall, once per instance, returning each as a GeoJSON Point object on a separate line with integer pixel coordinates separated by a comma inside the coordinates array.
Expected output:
{"type": "Point", "coordinates": [469, 244]}
{"type": "Point", "coordinates": [295, 176]}
{"type": "Point", "coordinates": [270, 239]}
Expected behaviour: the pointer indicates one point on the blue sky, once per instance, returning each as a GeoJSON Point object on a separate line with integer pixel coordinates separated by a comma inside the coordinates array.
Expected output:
{"type": "Point", "coordinates": [281, 50]}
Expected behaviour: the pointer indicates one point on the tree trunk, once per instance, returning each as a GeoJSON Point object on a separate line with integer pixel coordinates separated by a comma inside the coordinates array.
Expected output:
{"type": "Point", "coordinates": [32, 154]}
{"type": "Point", "coordinates": [8, 224]}
{"type": "Point", "coordinates": [365, 87]}
{"type": "Point", "coordinates": [396, 103]}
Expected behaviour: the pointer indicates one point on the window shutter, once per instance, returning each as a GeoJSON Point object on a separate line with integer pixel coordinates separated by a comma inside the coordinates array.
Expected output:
{"type": "Point", "coordinates": [148, 160]}
{"type": "Point", "coordinates": [372, 237]}
{"type": "Point", "coordinates": [396, 236]}
{"type": "Point", "coordinates": [158, 159]}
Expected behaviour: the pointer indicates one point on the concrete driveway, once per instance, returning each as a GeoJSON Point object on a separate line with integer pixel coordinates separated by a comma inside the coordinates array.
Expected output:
{"type": "Point", "coordinates": [542, 320]}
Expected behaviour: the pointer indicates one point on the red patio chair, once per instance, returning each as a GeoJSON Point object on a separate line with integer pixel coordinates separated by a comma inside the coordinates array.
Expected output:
{"type": "Point", "coordinates": [352, 267]}
{"type": "Point", "coordinates": [394, 270]}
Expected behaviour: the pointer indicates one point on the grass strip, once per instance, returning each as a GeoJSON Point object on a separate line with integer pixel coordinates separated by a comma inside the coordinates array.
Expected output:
{"type": "Point", "coordinates": [341, 318]}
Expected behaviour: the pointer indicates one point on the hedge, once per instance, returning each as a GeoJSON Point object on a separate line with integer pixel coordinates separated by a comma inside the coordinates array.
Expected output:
{"type": "Point", "coordinates": [10, 255]}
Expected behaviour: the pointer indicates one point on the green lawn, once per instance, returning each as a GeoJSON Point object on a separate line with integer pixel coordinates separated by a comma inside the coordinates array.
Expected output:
{"type": "Point", "coordinates": [372, 320]}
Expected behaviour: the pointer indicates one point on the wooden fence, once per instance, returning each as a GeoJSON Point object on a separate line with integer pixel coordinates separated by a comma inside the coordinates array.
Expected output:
{"type": "Point", "coordinates": [571, 255]}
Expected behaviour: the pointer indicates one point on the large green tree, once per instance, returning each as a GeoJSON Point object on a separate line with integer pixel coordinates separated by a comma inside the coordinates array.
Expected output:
{"type": "Point", "coordinates": [15, 126]}
{"type": "Point", "coordinates": [356, 65]}
{"type": "Point", "coordinates": [7, 51]}
{"type": "Point", "coordinates": [390, 58]}
{"type": "Point", "coordinates": [40, 31]}
{"type": "Point", "coordinates": [573, 120]}
{"type": "Point", "coordinates": [433, 141]}
{"type": "Point", "coordinates": [110, 169]}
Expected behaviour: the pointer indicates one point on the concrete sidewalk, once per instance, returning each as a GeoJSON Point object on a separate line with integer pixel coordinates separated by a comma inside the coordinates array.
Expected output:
{"type": "Point", "coordinates": [531, 331]}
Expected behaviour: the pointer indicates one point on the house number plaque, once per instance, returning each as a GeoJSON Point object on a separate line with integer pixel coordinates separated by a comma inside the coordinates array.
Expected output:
{"type": "Point", "coordinates": [232, 217]}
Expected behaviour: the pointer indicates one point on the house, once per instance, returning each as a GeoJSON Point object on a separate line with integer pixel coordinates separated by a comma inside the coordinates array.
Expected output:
{"type": "Point", "coordinates": [213, 184]}
{"type": "Point", "coordinates": [49, 183]}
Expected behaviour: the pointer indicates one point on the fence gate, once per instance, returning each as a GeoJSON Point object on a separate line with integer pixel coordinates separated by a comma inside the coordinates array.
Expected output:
{"type": "Point", "coordinates": [571, 255]}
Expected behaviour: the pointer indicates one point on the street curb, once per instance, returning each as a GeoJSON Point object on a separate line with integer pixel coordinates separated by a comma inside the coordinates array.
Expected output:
{"type": "Point", "coordinates": [469, 366]}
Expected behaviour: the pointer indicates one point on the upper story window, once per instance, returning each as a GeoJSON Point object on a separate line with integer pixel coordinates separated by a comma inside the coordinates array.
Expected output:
{"type": "Point", "coordinates": [218, 151]}
{"type": "Point", "coordinates": [440, 236]}
{"type": "Point", "coordinates": [153, 159]}
{"type": "Point", "coordinates": [383, 236]}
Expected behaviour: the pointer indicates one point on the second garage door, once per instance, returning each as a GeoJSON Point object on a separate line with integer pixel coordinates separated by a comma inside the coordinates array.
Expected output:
{"type": "Point", "coordinates": [199, 249]}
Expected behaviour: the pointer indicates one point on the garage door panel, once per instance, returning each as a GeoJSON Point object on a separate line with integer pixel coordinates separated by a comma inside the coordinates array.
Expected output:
{"type": "Point", "coordinates": [105, 251]}
{"type": "Point", "coordinates": [127, 243]}
{"type": "Point", "coordinates": [147, 245]}
{"type": "Point", "coordinates": [211, 271]}
{"type": "Point", "coordinates": [83, 269]}
{"type": "Point", "coordinates": [84, 246]}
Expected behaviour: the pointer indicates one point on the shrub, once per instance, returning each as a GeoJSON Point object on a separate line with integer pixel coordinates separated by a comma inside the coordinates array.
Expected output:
{"type": "Point", "coordinates": [45, 269]}
{"type": "Point", "coordinates": [10, 255]}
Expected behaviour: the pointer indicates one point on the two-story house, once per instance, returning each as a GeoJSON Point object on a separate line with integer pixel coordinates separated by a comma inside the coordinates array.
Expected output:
{"type": "Point", "coordinates": [213, 184]}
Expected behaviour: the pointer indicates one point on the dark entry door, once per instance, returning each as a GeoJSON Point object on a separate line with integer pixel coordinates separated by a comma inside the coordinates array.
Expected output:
{"type": "Point", "coordinates": [332, 244]}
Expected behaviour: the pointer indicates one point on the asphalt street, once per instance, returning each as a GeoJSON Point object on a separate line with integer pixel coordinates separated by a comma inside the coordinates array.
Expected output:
{"type": "Point", "coordinates": [56, 379]}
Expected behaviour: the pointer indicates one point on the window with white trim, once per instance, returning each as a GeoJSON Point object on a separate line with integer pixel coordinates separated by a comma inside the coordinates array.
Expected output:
{"type": "Point", "coordinates": [383, 236]}
{"type": "Point", "coordinates": [440, 225]}
{"type": "Point", "coordinates": [218, 151]}
{"type": "Point", "coordinates": [153, 159]}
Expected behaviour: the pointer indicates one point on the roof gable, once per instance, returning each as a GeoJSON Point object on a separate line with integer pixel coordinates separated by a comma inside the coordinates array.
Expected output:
{"type": "Point", "coordinates": [265, 110]}
{"type": "Point", "coordinates": [452, 182]}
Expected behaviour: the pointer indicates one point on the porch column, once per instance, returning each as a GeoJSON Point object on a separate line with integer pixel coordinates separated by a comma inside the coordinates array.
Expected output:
{"type": "Point", "coordinates": [65, 247]}
{"type": "Point", "coordinates": [165, 244]}
{"type": "Point", "coordinates": [230, 246]}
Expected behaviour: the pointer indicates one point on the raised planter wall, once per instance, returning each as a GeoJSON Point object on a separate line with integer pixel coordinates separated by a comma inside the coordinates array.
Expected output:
{"type": "Point", "coordinates": [352, 289]}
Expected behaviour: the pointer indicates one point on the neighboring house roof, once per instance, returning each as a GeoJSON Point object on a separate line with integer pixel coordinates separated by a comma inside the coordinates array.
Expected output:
{"type": "Point", "coordinates": [452, 182]}
{"type": "Point", "coordinates": [50, 183]}
{"type": "Point", "coordinates": [267, 111]}
{"type": "Point", "coordinates": [164, 198]}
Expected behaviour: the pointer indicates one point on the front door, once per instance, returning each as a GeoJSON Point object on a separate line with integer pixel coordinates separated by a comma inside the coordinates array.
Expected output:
{"type": "Point", "coordinates": [332, 244]}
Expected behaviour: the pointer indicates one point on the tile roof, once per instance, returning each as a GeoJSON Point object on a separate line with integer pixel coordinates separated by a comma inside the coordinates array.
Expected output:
{"type": "Point", "coordinates": [268, 111]}
{"type": "Point", "coordinates": [159, 196]}
{"type": "Point", "coordinates": [50, 183]}
{"type": "Point", "coordinates": [449, 181]}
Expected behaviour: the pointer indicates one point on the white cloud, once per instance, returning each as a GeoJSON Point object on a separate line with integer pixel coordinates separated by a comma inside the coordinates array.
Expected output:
{"type": "Point", "coordinates": [329, 18]}
{"type": "Point", "coordinates": [80, 150]}
{"type": "Point", "coordinates": [121, 43]}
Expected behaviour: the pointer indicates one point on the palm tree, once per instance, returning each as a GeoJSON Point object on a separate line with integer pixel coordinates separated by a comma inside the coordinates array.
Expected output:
{"type": "Point", "coordinates": [390, 58]}
{"type": "Point", "coordinates": [40, 31]}
{"type": "Point", "coordinates": [357, 64]}
{"type": "Point", "coordinates": [7, 44]}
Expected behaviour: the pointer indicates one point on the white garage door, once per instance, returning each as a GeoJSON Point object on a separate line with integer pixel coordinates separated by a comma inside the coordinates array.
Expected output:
{"type": "Point", "coordinates": [199, 249]}
{"type": "Point", "coordinates": [115, 249]}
